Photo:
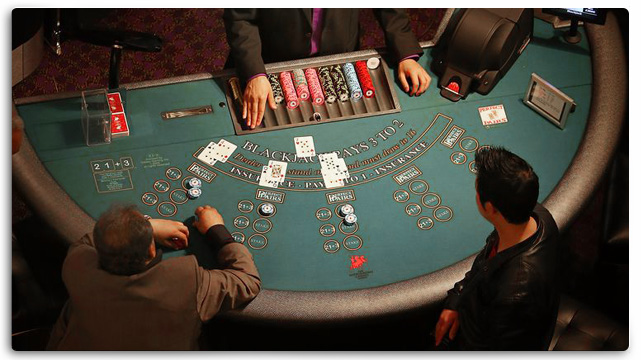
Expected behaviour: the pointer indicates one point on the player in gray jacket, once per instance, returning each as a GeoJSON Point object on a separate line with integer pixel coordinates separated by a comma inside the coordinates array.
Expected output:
{"type": "Point", "coordinates": [124, 296]}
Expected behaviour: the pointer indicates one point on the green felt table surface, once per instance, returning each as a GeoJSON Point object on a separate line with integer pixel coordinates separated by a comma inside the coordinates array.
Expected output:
{"type": "Point", "coordinates": [387, 155]}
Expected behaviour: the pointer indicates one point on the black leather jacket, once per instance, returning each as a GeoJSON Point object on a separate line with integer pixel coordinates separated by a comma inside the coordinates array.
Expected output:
{"type": "Point", "coordinates": [510, 301]}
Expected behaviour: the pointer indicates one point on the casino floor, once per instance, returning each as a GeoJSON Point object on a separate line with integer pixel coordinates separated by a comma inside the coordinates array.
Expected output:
{"type": "Point", "coordinates": [595, 244]}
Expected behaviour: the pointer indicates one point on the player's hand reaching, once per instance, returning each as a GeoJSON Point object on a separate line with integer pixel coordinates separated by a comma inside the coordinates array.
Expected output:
{"type": "Point", "coordinates": [447, 323]}
{"type": "Point", "coordinates": [171, 234]}
{"type": "Point", "coordinates": [207, 217]}
{"type": "Point", "coordinates": [257, 92]}
{"type": "Point", "coordinates": [419, 78]}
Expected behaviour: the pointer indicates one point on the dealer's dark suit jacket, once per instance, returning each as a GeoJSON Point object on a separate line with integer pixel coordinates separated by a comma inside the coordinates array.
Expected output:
{"type": "Point", "coordinates": [259, 36]}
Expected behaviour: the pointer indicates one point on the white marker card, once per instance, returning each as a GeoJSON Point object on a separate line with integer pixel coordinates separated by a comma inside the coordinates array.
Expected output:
{"type": "Point", "coordinates": [223, 150]}
{"type": "Point", "coordinates": [207, 155]}
{"type": "Point", "coordinates": [304, 146]}
{"type": "Point", "coordinates": [492, 115]}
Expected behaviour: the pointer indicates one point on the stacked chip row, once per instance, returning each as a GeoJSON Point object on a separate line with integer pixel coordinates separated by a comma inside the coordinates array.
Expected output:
{"type": "Point", "coordinates": [321, 85]}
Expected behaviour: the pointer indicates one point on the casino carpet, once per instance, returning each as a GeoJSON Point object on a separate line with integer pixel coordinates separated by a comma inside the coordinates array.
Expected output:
{"type": "Point", "coordinates": [194, 42]}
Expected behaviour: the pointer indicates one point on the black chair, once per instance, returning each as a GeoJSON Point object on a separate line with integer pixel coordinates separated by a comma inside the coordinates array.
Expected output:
{"type": "Point", "coordinates": [71, 24]}
{"type": "Point", "coordinates": [581, 328]}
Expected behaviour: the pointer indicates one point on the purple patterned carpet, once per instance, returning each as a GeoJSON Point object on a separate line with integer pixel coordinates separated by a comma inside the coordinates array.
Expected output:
{"type": "Point", "coordinates": [194, 42]}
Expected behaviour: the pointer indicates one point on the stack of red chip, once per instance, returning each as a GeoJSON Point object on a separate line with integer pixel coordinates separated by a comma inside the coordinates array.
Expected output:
{"type": "Point", "coordinates": [366, 81]}
{"type": "Point", "coordinates": [314, 86]}
{"type": "Point", "coordinates": [288, 88]}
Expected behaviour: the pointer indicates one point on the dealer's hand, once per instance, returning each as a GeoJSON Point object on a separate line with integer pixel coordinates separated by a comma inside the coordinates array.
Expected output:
{"type": "Point", "coordinates": [207, 217]}
{"type": "Point", "coordinates": [420, 79]}
{"type": "Point", "coordinates": [171, 234]}
{"type": "Point", "coordinates": [447, 322]}
{"type": "Point", "coordinates": [257, 92]}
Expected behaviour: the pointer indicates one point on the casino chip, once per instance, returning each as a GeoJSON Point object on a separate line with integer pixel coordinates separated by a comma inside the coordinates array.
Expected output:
{"type": "Point", "coordinates": [317, 116]}
{"type": "Point", "coordinates": [194, 183]}
{"type": "Point", "coordinates": [315, 88]}
{"type": "Point", "coordinates": [300, 83]}
{"type": "Point", "coordinates": [365, 79]}
{"type": "Point", "coordinates": [373, 63]}
{"type": "Point", "coordinates": [350, 219]}
{"type": "Point", "coordinates": [356, 93]}
{"type": "Point", "coordinates": [277, 91]}
{"type": "Point", "coordinates": [326, 83]}
{"type": "Point", "coordinates": [287, 83]}
{"type": "Point", "coordinates": [194, 193]}
{"type": "Point", "coordinates": [346, 210]}
{"type": "Point", "coordinates": [340, 84]}
{"type": "Point", "coordinates": [266, 209]}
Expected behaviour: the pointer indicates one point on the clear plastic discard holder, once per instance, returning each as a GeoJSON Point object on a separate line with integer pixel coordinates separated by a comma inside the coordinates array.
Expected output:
{"type": "Point", "coordinates": [96, 117]}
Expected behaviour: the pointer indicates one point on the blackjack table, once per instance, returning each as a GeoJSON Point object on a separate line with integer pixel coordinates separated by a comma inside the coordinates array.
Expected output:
{"type": "Point", "coordinates": [410, 161]}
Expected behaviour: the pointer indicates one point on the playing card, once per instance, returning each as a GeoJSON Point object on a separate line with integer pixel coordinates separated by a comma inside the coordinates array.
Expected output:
{"type": "Point", "coordinates": [115, 102]}
{"type": "Point", "coordinates": [304, 146]}
{"type": "Point", "coordinates": [277, 170]}
{"type": "Point", "coordinates": [492, 115]}
{"type": "Point", "coordinates": [327, 160]}
{"type": "Point", "coordinates": [342, 167]}
{"type": "Point", "coordinates": [119, 126]}
{"type": "Point", "coordinates": [223, 150]}
{"type": "Point", "coordinates": [331, 181]}
{"type": "Point", "coordinates": [207, 155]}
{"type": "Point", "coordinates": [266, 178]}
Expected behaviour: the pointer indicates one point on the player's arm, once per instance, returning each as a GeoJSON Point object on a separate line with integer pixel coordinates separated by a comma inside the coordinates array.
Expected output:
{"type": "Point", "coordinates": [237, 282]}
{"type": "Point", "coordinates": [454, 294]}
{"type": "Point", "coordinates": [245, 46]}
{"type": "Point", "coordinates": [169, 233]}
{"type": "Point", "coordinates": [400, 40]}
{"type": "Point", "coordinates": [448, 322]}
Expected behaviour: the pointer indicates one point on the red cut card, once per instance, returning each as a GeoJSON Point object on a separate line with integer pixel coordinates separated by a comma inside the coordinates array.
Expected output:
{"type": "Point", "coordinates": [115, 103]}
{"type": "Point", "coordinates": [119, 124]}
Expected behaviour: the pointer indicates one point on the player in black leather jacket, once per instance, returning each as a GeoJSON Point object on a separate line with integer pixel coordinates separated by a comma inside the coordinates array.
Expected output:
{"type": "Point", "coordinates": [509, 298]}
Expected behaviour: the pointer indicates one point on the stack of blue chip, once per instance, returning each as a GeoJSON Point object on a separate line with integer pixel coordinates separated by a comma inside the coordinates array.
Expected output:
{"type": "Point", "coordinates": [352, 81]}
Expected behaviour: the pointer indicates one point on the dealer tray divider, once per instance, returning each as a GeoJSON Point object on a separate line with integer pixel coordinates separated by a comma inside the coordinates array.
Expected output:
{"type": "Point", "coordinates": [384, 101]}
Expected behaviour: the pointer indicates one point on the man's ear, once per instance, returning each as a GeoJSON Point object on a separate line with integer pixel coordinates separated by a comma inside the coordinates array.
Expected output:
{"type": "Point", "coordinates": [489, 207]}
{"type": "Point", "coordinates": [151, 250]}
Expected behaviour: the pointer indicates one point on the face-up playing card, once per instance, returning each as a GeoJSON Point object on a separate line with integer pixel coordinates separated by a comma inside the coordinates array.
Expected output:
{"type": "Point", "coordinates": [304, 146]}
{"type": "Point", "coordinates": [223, 150]}
{"type": "Point", "coordinates": [207, 155]}
{"type": "Point", "coordinates": [326, 160]}
{"type": "Point", "coordinates": [115, 102]}
{"type": "Point", "coordinates": [266, 178]}
{"type": "Point", "coordinates": [331, 181]}
{"type": "Point", "coordinates": [277, 170]}
{"type": "Point", "coordinates": [341, 169]}
{"type": "Point", "coordinates": [333, 169]}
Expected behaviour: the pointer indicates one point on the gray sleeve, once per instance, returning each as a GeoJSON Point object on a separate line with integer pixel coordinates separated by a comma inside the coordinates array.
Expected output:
{"type": "Point", "coordinates": [232, 286]}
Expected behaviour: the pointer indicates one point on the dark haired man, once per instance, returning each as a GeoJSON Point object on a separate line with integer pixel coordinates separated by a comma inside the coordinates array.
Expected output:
{"type": "Point", "coordinates": [123, 296]}
{"type": "Point", "coordinates": [508, 300]}
{"type": "Point", "coordinates": [256, 36]}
